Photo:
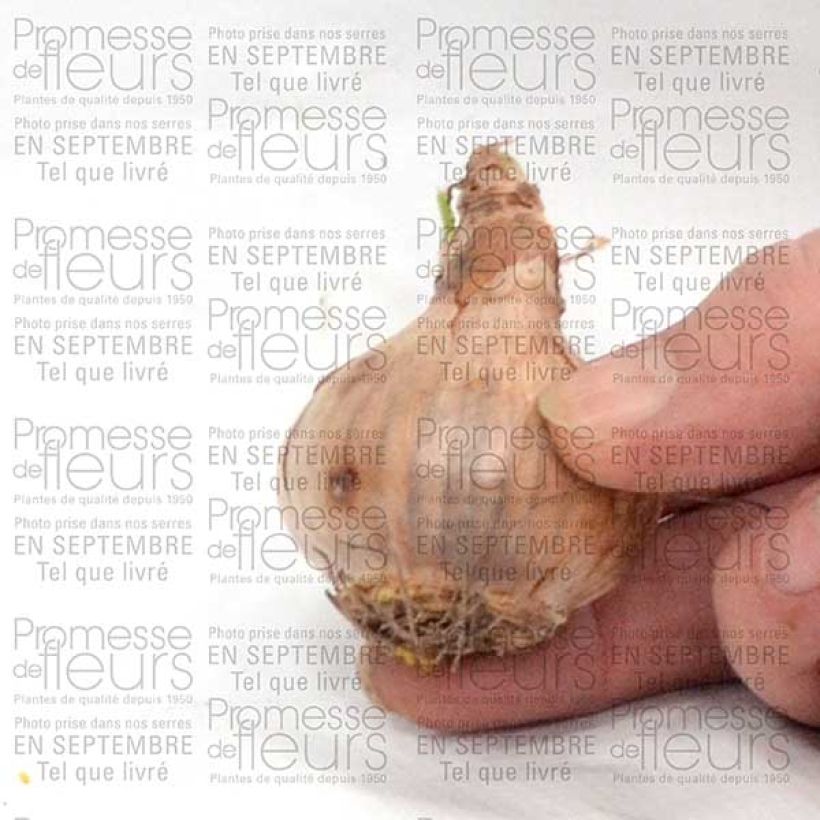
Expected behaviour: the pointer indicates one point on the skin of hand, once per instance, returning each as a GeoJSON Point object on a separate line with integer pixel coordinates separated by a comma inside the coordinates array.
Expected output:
{"type": "Point", "coordinates": [725, 590]}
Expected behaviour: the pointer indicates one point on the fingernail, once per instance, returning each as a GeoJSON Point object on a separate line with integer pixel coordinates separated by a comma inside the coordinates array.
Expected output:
{"type": "Point", "coordinates": [601, 399]}
{"type": "Point", "coordinates": [802, 574]}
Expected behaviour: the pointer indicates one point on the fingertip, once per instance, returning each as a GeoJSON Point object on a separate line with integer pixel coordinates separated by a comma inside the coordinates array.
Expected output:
{"type": "Point", "coordinates": [604, 406]}
{"type": "Point", "coordinates": [369, 681]}
{"type": "Point", "coordinates": [801, 561]}
{"type": "Point", "coordinates": [414, 693]}
{"type": "Point", "coordinates": [766, 594]}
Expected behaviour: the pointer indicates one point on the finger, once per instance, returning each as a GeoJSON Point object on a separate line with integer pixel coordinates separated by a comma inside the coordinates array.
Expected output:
{"type": "Point", "coordinates": [725, 400]}
{"type": "Point", "coordinates": [654, 633]}
{"type": "Point", "coordinates": [767, 602]}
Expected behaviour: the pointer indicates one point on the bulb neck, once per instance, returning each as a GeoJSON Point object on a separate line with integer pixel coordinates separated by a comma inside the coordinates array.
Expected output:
{"type": "Point", "coordinates": [502, 227]}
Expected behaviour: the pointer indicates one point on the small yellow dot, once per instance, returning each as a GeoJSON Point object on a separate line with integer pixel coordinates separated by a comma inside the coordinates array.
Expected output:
{"type": "Point", "coordinates": [25, 778]}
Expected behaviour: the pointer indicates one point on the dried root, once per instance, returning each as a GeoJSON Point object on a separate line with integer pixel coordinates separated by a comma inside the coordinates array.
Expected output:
{"type": "Point", "coordinates": [428, 626]}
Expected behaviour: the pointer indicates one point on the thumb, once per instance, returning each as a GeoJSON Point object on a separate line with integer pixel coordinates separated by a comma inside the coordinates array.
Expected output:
{"type": "Point", "coordinates": [724, 400]}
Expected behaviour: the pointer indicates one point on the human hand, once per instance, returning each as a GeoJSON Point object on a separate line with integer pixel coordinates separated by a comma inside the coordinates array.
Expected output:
{"type": "Point", "coordinates": [720, 590]}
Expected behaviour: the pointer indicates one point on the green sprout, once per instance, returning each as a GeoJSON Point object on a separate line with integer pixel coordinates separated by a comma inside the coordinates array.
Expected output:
{"type": "Point", "coordinates": [448, 218]}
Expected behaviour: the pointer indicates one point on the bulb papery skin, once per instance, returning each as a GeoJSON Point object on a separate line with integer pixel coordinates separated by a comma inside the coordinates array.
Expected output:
{"type": "Point", "coordinates": [444, 516]}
